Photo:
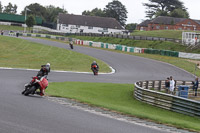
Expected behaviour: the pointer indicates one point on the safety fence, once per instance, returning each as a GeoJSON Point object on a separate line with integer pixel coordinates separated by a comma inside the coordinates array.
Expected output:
{"type": "Point", "coordinates": [151, 92]}
{"type": "Point", "coordinates": [119, 46]}
{"type": "Point", "coordinates": [124, 36]}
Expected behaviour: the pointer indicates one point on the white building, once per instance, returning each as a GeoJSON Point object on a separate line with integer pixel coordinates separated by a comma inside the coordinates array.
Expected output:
{"type": "Point", "coordinates": [69, 23]}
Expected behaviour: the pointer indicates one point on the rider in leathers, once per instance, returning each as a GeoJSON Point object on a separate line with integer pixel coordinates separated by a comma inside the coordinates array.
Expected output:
{"type": "Point", "coordinates": [94, 63]}
{"type": "Point", "coordinates": [45, 69]}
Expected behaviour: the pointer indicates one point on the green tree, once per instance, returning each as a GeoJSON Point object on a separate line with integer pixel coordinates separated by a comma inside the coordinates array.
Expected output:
{"type": "Point", "coordinates": [117, 10]}
{"type": "Point", "coordinates": [30, 21]}
{"type": "Point", "coordinates": [14, 9]}
{"type": "Point", "coordinates": [179, 13]}
{"type": "Point", "coordinates": [162, 7]}
{"type": "Point", "coordinates": [48, 14]}
{"type": "Point", "coordinates": [131, 27]}
{"type": "Point", "coordinates": [11, 9]}
{"type": "Point", "coordinates": [161, 13]}
{"type": "Point", "coordinates": [94, 12]}
{"type": "Point", "coordinates": [36, 10]}
{"type": "Point", "coordinates": [1, 7]}
{"type": "Point", "coordinates": [52, 13]}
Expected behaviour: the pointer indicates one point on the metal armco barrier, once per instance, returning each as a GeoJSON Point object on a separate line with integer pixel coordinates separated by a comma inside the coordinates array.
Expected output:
{"type": "Point", "coordinates": [143, 93]}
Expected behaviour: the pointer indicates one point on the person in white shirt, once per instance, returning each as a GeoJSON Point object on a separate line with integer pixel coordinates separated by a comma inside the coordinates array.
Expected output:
{"type": "Point", "coordinates": [171, 86]}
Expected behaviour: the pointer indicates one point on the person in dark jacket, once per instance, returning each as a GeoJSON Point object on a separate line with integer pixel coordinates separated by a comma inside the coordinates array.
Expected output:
{"type": "Point", "coordinates": [167, 84]}
{"type": "Point", "coordinates": [95, 67]}
{"type": "Point", "coordinates": [94, 63]}
{"type": "Point", "coordinates": [45, 69]}
{"type": "Point", "coordinates": [196, 86]}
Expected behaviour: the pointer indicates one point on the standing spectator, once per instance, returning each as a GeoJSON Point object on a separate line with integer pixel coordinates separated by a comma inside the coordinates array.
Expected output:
{"type": "Point", "coordinates": [2, 32]}
{"type": "Point", "coordinates": [17, 34]}
{"type": "Point", "coordinates": [196, 85]}
{"type": "Point", "coordinates": [167, 84]}
{"type": "Point", "coordinates": [171, 86]}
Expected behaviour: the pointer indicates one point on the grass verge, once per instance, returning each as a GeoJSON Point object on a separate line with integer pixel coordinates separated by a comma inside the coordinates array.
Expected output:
{"type": "Point", "coordinates": [161, 45]}
{"type": "Point", "coordinates": [184, 64]}
{"type": "Point", "coordinates": [19, 53]}
{"type": "Point", "coordinates": [119, 97]}
{"type": "Point", "coordinates": [10, 27]}
{"type": "Point", "coordinates": [176, 34]}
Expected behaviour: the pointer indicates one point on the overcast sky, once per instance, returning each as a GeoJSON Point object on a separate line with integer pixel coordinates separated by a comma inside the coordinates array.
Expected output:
{"type": "Point", "coordinates": [136, 11]}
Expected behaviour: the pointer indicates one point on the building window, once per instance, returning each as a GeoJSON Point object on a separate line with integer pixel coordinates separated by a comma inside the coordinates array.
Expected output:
{"type": "Point", "coordinates": [157, 27]}
{"type": "Point", "coordinates": [77, 26]}
{"type": "Point", "coordinates": [90, 27]}
{"type": "Point", "coordinates": [105, 29]}
{"type": "Point", "coordinates": [65, 25]}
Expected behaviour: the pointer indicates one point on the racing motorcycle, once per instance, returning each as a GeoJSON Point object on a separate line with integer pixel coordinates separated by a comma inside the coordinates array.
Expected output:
{"type": "Point", "coordinates": [71, 45]}
{"type": "Point", "coordinates": [36, 83]}
{"type": "Point", "coordinates": [95, 69]}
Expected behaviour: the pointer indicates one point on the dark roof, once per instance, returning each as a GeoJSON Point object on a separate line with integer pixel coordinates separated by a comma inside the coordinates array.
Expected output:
{"type": "Point", "coordinates": [92, 21]}
{"type": "Point", "coordinates": [144, 23]}
{"type": "Point", "coordinates": [167, 20]}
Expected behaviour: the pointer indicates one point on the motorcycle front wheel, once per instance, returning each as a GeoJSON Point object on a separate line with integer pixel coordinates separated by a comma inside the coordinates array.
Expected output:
{"type": "Point", "coordinates": [30, 91]}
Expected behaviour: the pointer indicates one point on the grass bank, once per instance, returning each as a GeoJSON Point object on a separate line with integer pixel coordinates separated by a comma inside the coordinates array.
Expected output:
{"type": "Point", "coordinates": [10, 27]}
{"type": "Point", "coordinates": [119, 97]}
{"type": "Point", "coordinates": [185, 64]}
{"type": "Point", "coordinates": [176, 34]}
{"type": "Point", "coordinates": [19, 53]}
{"type": "Point", "coordinates": [162, 45]}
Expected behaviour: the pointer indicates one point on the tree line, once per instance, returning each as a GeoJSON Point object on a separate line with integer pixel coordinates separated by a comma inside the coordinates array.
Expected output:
{"type": "Point", "coordinates": [114, 9]}
{"type": "Point", "coordinates": [171, 8]}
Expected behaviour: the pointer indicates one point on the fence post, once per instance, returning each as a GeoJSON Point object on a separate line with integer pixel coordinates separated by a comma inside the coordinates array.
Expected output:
{"type": "Point", "coordinates": [147, 84]}
{"type": "Point", "coordinates": [160, 83]}
{"type": "Point", "coordinates": [153, 84]}
{"type": "Point", "coordinates": [141, 83]}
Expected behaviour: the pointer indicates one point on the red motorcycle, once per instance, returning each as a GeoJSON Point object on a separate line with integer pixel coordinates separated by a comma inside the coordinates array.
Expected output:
{"type": "Point", "coordinates": [35, 84]}
{"type": "Point", "coordinates": [95, 69]}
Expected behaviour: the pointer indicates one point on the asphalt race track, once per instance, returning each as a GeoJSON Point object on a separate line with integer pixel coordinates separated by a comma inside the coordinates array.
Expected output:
{"type": "Point", "coordinates": [34, 114]}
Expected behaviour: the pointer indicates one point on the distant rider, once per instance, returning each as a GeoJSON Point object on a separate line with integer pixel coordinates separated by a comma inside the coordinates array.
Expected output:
{"type": "Point", "coordinates": [94, 66]}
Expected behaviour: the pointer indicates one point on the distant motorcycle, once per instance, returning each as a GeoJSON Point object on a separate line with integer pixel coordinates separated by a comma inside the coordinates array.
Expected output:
{"type": "Point", "coordinates": [35, 84]}
{"type": "Point", "coordinates": [71, 45]}
{"type": "Point", "coordinates": [95, 69]}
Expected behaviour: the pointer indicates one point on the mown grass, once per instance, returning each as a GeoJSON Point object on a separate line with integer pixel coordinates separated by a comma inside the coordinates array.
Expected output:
{"type": "Point", "coordinates": [162, 45]}
{"type": "Point", "coordinates": [19, 53]}
{"type": "Point", "coordinates": [185, 64]}
{"type": "Point", "coordinates": [9, 27]}
{"type": "Point", "coordinates": [176, 34]}
{"type": "Point", "coordinates": [119, 97]}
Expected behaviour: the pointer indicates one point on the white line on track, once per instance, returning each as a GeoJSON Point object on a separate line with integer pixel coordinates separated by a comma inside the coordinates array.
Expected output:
{"type": "Point", "coordinates": [9, 68]}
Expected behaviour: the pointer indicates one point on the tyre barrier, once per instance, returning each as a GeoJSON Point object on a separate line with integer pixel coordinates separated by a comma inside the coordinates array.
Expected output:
{"type": "Point", "coordinates": [143, 92]}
